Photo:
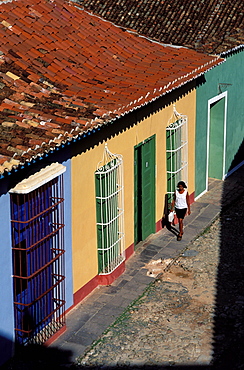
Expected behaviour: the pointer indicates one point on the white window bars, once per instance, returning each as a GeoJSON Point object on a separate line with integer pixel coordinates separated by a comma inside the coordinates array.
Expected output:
{"type": "Point", "coordinates": [110, 212]}
{"type": "Point", "coordinates": [176, 152]}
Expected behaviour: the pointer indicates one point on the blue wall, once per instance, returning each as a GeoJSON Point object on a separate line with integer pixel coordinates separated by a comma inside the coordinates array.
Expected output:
{"type": "Point", "coordinates": [6, 292]}
{"type": "Point", "coordinates": [68, 235]}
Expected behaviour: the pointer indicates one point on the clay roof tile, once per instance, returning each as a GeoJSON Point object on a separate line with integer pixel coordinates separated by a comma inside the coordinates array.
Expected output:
{"type": "Point", "coordinates": [77, 68]}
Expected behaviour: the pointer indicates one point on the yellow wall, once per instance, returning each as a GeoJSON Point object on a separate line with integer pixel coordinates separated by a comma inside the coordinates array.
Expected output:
{"type": "Point", "coordinates": [84, 238]}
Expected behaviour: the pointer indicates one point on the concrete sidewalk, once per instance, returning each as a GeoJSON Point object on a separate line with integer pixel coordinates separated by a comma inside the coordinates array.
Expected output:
{"type": "Point", "coordinates": [89, 319]}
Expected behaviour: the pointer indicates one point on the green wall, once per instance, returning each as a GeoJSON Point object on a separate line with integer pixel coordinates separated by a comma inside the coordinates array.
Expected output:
{"type": "Point", "coordinates": [230, 72]}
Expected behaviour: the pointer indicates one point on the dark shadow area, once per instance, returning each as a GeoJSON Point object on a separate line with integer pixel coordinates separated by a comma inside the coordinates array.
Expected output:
{"type": "Point", "coordinates": [147, 367]}
{"type": "Point", "coordinates": [239, 157]}
{"type": "Point", "coordinates": [172, 229]}
{"type": "Point", "coordinates": [38, 357]}
{"type": "Point", "coordinates": [228, 344]}
{"type": "Point", "coordinates": [6, 348]}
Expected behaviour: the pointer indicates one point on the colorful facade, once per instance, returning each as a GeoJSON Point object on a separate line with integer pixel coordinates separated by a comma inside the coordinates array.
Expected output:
{"type": "Point", "coordinates": [94, 133]}
{"type": "Point", "coordinates": [147, 133]}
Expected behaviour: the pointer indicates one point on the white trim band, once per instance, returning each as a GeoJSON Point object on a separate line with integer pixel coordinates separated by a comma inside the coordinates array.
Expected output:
{"type": "Point", "coordinates": [38, 179]}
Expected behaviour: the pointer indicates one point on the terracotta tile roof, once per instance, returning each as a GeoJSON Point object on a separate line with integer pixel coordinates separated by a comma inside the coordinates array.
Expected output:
{"type": "Point", "coordinates": [64, 71]}
{"type": "Point", "coordinates": [209, 26]}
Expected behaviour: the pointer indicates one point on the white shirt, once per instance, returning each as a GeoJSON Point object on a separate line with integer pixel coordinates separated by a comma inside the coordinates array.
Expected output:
{"type": "Point", "coordinates": [180, 201]}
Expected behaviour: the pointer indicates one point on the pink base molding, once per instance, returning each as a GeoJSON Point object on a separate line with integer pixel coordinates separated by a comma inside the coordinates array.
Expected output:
{"type": "Point", "coordinates": [109, 278]}
{"type": "Point", "coordinates": [91, 285]}
{"type": "Point", "coordinates": [192, 197]}
{"type": "Point", "coordinates": [102, 279]}
{"type": "Point", "coordinates": [85, 290]}
{"type": "Point", "coordinates": [129, 251]}
{"type": "Point", "coordinates": [55, 336]}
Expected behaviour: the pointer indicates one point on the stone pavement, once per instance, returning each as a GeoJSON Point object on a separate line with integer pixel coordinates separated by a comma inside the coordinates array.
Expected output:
{"type": "Point", "coordinates": [88, 320]}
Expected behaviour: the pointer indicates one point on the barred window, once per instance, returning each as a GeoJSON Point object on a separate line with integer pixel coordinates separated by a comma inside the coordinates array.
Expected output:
{"type": "Point", "coordinates": [110, 212]}
{"type": "Point", "coordinates": [37, 221]}
{"type": "Point", "coordinates": [176, 154]}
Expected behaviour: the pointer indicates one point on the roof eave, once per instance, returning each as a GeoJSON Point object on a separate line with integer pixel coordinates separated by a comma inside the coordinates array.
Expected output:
{"type": "Point", "coordinates": [231, 51]}
{"type": "Point", "coordinates": [66, 139]}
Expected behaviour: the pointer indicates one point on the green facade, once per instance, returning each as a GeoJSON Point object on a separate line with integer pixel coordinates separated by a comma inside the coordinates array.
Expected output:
{"type": "Point", "coordinates": [228, 76]}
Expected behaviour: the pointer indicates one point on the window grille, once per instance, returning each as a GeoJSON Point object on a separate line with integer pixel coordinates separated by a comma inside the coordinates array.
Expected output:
{"type": "Point", "coordinates": [38, 261]}
{"type": "Point", "coordinates": [110, 212]}
{"type": "Point", "coordinates": [176, 153]}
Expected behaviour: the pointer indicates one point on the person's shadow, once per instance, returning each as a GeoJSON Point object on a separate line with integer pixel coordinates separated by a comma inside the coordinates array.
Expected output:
{"type": "Point", "coordinates": [165, 220]}
{"type": "Point", "coordinates": [172, 229]}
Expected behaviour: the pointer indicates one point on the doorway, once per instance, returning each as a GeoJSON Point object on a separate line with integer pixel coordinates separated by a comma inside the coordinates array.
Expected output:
{"type": "Point", "coordinates": [144, 189]}
{"type": "Point", "coordinates": [216, 137]}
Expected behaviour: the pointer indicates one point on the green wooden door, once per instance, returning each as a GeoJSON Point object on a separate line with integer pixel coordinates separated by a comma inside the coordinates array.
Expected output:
{"type": "Point", "coordinates": [144, 189]}
{"type": "Point", "coordinates": [216, 139]}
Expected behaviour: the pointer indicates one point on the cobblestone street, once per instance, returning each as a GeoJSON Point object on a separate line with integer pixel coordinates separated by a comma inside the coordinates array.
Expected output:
{"type": "Point", "coordinates": [191, 315]}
